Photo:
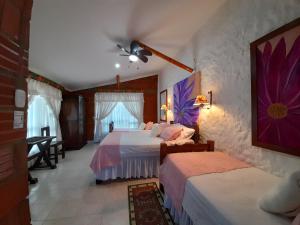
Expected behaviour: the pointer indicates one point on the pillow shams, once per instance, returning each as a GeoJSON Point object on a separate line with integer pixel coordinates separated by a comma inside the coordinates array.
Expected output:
{"type": "Point", "coordinates": [149, 126]}
{"type": "Point", "coordinates": [157, 128]}
{"type": "Point", "coordinates": [171, 133]}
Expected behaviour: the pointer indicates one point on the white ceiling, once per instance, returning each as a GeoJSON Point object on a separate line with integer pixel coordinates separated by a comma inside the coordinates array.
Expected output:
{"type": "Point", "coordinates": [73, 42]}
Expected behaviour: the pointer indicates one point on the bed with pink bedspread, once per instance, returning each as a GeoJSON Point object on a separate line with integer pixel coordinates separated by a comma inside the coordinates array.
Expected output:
{"type": "Point", "coordinates": [213, 188]}
{"type": "Point", "coordinates": [127, 154]}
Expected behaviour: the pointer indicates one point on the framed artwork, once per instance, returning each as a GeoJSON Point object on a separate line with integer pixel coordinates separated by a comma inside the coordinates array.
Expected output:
{"type": "Point", "coordinates": [184, 95]}
{"type": "Point", "coordinates": [275, 89]}
{"type": "Point", "coordinates": [163, 101]}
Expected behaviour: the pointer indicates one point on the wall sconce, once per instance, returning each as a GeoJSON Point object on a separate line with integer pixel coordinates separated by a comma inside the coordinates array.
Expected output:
{"type": "Point", "coordinates": [201, 101]}
{"type": "Point", "coordinates": [169, 104]}
{"type": "Point", "coordinates": [164, 108]}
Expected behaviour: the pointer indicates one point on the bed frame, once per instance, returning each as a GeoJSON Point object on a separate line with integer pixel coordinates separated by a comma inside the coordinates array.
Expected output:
{"type": "Point", "coordinates": [197, 147]}
{"type": "Point", "coordinates": [165, 150]}
{"type": "Point", "coordinates": [209, 146]}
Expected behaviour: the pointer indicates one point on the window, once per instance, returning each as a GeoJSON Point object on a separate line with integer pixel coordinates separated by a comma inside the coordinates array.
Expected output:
{"type": "Point", "coordinates": [124, 109]}
{"type": "Point", "coordinates": [121, 118]}
{"type": "Point", "coordinates": [40, 115]}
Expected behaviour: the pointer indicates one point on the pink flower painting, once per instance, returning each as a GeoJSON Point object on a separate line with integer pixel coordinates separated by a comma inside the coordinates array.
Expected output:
{"type": "Point", "coordinates": [278, 93]}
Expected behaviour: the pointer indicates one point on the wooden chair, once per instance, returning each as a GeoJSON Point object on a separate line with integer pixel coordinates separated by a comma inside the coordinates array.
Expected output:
{"type": "Point", "coordinates": [111, 126]}
{"type": "Point", "coordinates": [45, 131]}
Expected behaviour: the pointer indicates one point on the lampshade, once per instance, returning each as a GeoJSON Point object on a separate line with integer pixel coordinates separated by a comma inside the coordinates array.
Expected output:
{"type": "Point", "coordinates": [164, 108]}
{"type": "Point", "coordinates": [200, 100]}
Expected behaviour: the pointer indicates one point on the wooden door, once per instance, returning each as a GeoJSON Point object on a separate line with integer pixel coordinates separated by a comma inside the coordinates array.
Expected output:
{"type": "Point", "coordinates": [14, 43]}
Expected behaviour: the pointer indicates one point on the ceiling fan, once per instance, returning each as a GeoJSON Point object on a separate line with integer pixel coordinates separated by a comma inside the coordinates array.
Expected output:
{"type": "Point", "coordinates": [136, 52]}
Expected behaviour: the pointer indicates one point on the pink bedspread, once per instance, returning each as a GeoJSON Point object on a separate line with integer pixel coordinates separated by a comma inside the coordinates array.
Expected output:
{"type": "Point", "coordinates": [177, 168]}
{"type": "Point", "coordinates": [108, 152]}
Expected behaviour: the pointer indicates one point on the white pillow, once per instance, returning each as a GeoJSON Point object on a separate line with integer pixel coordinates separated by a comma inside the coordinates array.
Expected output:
{"type": "Point", "coordinates": [142, 126]}
{"type": "Point", "coordinates": [155, 131]}
{"type": "Point", "coordinates": [179, 142]}
{"type": "Point", "coordinates": [184, 141]}
{"type": "Point", "coordinates": [283, 198]}
{"type": "Point", "coordinates": [157, 128]}
{"type": "Point", "coordinates": [163, 126]}
{"type": "Point", "coordinates": [186, 133]}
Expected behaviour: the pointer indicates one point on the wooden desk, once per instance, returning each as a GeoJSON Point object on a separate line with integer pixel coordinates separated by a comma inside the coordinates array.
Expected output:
{"type": "Point", "coordinates": [43, 144]}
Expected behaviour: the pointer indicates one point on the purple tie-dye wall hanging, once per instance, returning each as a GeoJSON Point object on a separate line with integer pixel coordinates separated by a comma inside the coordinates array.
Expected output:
{"type": "Point", "coordinates": [184, 95]}
{"type": "Point", "coordinates": [275, 66]}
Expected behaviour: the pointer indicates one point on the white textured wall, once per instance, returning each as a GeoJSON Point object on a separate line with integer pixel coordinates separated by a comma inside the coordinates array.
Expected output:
{"type": "Point", "coordinates": [221, 49]}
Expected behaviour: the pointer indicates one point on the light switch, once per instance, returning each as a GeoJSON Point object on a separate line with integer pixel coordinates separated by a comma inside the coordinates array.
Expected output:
{"type": "Point", "coordinates": [18, 119]}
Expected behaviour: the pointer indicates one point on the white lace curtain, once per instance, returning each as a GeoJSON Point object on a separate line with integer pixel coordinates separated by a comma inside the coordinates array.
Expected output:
{"type": "Point", "coordinates": [106, 102]}
{"type": "Point", "coordinates": [52, 96]}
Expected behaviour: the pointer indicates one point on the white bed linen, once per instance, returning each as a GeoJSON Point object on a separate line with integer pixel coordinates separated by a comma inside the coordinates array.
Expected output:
{"type": "Point", "coordinates": [139, 143]}
{"type": "Point", "coordinates": [139, 157]}
{"type": "Point", "coordinates": [183, 218]}
{"type": "Point", "coordinates": [230, 198]}
{"type": "Point", "coordinates": [127, 129]}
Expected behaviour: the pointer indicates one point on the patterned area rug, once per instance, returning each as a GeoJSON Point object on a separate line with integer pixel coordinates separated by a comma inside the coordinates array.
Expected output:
{"type": "Point", "coordinates": [146, 205]}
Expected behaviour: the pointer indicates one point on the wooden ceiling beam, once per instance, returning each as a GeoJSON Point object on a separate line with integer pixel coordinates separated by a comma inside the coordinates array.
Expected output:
{"type": "Point", "coordinates": [165, 57]}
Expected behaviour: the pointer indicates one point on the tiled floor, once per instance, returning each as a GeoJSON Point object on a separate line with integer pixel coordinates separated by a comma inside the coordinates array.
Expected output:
{"type": "Point", "coordinates": [68, 195]}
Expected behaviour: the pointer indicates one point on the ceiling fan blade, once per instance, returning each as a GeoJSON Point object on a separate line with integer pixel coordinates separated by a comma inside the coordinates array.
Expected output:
{"type": "Point", "coordinates": [122, 48]}
{"type": "Point", "coordinates": [143, 58]}
{"type": "Point", "coordinates": [113, 50]}
{"type": "Point", "coordinates": [145, 52]}
{"type": "Point", "coordinates": [134, 46]}
{"type": "Point", "coordinates": [124, 55]}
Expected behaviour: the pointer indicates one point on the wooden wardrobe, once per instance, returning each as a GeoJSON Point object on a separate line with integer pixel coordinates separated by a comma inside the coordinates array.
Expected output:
{"type": "Point", "coordinates": [72, 121]}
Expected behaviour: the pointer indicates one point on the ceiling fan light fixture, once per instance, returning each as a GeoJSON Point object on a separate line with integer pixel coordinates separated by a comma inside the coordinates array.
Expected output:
{"type": "Point", "coordinates": [133, 58]}
{"type": "Point", "coordinates": [117, 65]}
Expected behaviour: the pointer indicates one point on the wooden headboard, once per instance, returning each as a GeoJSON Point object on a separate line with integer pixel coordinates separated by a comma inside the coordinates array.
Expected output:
{"type": "Point", "coordinates": [209, 146]}
{"type": "Point", "coordinates": [197, 147]}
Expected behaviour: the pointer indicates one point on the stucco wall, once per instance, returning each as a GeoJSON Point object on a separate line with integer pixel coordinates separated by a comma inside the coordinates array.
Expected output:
{"type": "Point", "coordinates": [220, 50]}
